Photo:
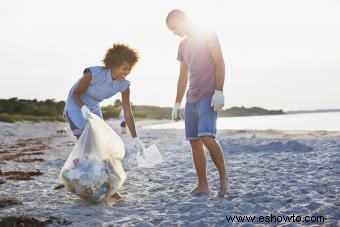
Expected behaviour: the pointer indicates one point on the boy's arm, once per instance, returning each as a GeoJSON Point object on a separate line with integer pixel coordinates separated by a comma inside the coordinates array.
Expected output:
{"type": "Point", "coordinates": [217, 56]}
{"type": "Point", "coordinates": [217, 101]}
{"type": "Point", "coordinates": [182, 82]}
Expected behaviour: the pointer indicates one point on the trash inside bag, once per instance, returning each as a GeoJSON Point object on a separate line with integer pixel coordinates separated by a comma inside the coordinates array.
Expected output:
{"type": "Point", "coordinates": [150, 158]}
{"type": "Point", "coordinates": [93, 170]}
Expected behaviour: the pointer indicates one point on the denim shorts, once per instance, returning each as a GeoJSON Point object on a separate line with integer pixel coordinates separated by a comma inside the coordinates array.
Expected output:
{"type": "Point", "coordinates": [77, 122]}
{"type": "Point", "coordinates": [200, 119]}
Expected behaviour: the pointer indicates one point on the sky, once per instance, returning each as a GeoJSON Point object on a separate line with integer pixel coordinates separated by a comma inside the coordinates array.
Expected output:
{"type": "Point", "coordinates": [279, 54]}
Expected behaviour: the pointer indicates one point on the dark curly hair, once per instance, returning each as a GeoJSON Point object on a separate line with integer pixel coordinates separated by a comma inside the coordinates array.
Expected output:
{"type": "Point", "coordinates": [119, 54]}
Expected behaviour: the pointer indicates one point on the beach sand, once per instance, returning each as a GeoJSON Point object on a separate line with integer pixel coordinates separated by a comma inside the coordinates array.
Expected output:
{"type": "Point", "coordinates": [271, 173]}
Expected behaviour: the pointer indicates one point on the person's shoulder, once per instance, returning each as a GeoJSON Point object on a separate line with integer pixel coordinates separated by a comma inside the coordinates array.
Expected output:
{"type": "Point", "coordinates": [208, 33]}
{"type": "Point", "coordinates": [125, 82]}
{"type": "Point", "coordinates": [210, 37]}
{"type": "Point", "coordinates": [182, 43]}
{"type": "Point", "coordinates": [122, 85]}
{"type": "Point", "coordinates": [94, 69]}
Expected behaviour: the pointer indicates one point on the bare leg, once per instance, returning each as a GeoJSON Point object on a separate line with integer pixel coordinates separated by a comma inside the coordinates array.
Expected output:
{"type": "Point", "coordinates": [216, 154]}
{"type": "Point", "coordinates": [200, 164]}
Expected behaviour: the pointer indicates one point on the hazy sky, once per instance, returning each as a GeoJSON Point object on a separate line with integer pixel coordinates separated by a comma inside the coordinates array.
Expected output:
{"type": "Point", "coordinates": [279, 54]}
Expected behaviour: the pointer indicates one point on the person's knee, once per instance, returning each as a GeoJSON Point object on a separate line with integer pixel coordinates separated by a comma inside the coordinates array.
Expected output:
{"type": "Point", "coordinates": [207, 140]}
{"type": "Point", "coordinates": [196, 144]}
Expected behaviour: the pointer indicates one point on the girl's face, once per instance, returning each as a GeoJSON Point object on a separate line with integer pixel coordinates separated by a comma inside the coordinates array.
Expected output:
{"type": "Point", "coordinates": [120, 72]}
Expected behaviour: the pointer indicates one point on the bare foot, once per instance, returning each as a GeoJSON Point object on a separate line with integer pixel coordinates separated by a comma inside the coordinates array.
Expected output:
{"type": "Point", "coordinates": [224, 188]}
{"type": "Point", "coordinates": [117, 196]}
{"type": "Point", "coordinates": [200, 190]}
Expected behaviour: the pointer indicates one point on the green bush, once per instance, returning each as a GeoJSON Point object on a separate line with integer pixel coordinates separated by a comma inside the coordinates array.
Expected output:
{"type": "Point", "coordinates": [18, 117]}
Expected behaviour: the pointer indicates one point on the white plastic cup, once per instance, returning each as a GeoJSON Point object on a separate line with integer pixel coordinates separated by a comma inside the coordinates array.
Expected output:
{"type": "Point", "coordinates": [150, 158]}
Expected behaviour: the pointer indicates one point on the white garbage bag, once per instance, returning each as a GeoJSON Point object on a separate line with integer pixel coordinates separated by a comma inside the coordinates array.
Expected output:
{"type": "Point", "coordinates": [93, 170]}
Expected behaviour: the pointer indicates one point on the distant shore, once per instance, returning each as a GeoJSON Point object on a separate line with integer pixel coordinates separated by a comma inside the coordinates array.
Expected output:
{"type": "Point", "coordinates": [14, 109]}
{"type": "Point", "coordinates": [312, 111]}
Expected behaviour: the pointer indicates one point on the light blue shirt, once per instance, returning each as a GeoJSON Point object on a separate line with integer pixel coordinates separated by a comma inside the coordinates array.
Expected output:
{"type": "Point", "coordinates": [101, 87]}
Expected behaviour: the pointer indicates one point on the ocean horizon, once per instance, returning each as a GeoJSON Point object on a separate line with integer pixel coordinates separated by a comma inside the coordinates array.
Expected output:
{"type": "Point", "coordinates": [321, 121]}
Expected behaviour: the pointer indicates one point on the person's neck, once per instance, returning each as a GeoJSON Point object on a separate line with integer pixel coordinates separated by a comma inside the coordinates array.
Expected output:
{"type": "Point", "coordinates": [191, 32]}
{"type": "Point", "coordinates": [113, 75]}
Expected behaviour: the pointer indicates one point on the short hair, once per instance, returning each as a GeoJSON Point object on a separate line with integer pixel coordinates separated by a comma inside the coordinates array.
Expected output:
{"type": "Point", "coordinates": [119, 54]}
{"type": "Point", "coordinates": [176, 14]}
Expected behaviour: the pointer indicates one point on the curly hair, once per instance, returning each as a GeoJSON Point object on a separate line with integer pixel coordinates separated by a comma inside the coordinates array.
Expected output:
{"type": "Point", "coordinates": [119, 54]}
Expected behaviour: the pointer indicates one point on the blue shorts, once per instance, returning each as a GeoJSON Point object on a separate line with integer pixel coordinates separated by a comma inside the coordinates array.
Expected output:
{"type": "Point", "coordinates": [200, 119]}
{"type": "Point", "coordinates": [77, 122]}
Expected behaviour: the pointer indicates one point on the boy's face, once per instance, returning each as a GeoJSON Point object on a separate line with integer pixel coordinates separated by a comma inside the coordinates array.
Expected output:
{"type": "Point", "coordinates": [122, 71]}
{"type": "Point", "coordinates": [177, 27]}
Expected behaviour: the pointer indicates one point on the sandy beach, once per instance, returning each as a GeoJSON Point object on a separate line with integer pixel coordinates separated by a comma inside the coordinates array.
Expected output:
{"type": "Point", "coordinates": [281, 173]}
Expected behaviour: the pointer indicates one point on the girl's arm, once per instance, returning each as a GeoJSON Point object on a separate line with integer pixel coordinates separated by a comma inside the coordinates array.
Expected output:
{"type": "Point", "coordinates": [81, 87]}
{"type": "Point", "coordinates": [129, 119]}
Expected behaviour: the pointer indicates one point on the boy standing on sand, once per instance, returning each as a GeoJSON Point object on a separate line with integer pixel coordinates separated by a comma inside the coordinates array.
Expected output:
{"type": "Point", "coordinates": [200, 54]}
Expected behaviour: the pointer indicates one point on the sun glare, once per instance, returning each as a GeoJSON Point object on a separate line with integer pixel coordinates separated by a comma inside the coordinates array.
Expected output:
{"type": "Point", "coordinates": [203, 15]}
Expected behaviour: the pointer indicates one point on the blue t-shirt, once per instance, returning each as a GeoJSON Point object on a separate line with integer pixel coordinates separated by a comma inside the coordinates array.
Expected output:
{"type": "Point", "coordinates": [101, 87]}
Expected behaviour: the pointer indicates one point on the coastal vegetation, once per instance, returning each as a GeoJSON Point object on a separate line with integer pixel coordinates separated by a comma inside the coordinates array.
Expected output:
{"type": "Point", "coordinates": [14, 109]}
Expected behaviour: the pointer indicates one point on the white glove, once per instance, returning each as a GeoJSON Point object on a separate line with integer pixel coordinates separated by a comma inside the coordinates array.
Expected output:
{"type": "Point", "coordinates": [176, 112]}
{"type": "Point", "coordinates": [138, 145]}
{"type": "Point", "coordinates": [85, 111]}
{"type": "Point", "coordinates": [217, 101]}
